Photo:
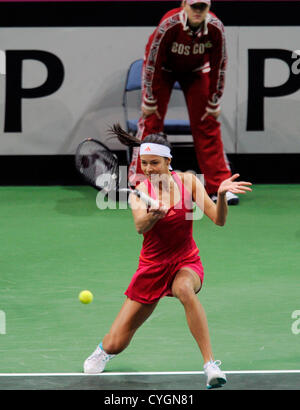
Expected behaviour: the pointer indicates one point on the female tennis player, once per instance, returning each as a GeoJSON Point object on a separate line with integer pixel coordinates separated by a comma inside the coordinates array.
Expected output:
{"type": "Point", "coordinates": [169, 264]}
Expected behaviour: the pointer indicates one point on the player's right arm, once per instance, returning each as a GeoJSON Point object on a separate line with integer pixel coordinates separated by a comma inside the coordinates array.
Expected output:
{"type": "Point", "coordinates": [144, 218]}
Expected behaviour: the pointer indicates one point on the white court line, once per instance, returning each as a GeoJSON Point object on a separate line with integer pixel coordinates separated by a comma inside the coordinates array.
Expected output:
{"type": "Point", "coordinates": [151, 373]}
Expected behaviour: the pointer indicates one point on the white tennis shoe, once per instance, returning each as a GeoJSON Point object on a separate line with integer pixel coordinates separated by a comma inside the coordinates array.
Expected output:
{"type": "Point", "coordinates": [215, 377]}
{"type": "Point", "coordinates": [231, 198]}
{"type": "Point", "coordinates": [96, 362]}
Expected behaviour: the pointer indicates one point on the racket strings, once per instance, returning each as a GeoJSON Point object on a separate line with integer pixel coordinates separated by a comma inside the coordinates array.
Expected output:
{"type": "Point", "coordinates": [100, 168]}
{"type": "Point", "coordinates": [98, 165]}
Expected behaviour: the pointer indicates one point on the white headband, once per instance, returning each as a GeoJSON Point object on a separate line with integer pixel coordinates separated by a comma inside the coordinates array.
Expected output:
{"type": "Point", "coordinates": [149, 148]}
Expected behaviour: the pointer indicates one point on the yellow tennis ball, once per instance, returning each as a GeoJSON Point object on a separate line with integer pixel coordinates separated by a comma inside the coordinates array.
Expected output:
{"type": "Point", "coordinates": [85, 296]}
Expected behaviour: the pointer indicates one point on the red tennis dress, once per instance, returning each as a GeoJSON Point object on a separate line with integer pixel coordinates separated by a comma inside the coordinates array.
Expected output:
{"type": "Point", "coordinates": [167, 247]}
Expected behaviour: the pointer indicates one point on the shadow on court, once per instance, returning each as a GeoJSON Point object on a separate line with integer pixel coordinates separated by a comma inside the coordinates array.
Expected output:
{"type": "Point", "coordinates": [170, 382]}
{"type": "Point", "coordinates": [77, 201]}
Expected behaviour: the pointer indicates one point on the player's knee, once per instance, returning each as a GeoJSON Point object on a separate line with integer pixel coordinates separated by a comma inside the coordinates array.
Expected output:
{"type": "Point", "coordinates": [183, 290]}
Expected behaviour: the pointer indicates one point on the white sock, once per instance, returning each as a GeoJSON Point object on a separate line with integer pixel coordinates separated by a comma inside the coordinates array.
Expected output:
{"type": "Point", "coordinates": [108, 354]}
{"type": "Point", "coordinates": [208, 363]}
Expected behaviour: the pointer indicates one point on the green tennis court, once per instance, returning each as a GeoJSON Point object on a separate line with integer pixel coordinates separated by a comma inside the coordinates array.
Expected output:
{"type": "Point", "coordinates": [55, 242]}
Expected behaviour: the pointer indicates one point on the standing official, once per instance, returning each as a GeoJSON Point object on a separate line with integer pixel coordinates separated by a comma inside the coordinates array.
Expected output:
{"type": "Point", "coordinates": [188, 46]}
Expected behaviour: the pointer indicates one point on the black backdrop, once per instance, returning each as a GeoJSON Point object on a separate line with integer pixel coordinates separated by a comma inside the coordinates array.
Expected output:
{"type": "Point", "coordinates": [141, 13]}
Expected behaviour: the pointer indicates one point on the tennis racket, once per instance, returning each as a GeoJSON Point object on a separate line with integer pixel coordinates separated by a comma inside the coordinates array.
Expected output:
{"type": "Point", "coordinates": [99, 166]}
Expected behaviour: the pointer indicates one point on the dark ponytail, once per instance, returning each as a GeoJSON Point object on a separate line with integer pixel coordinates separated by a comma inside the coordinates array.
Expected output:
{"type": "Point", "coordinates": [131, 141]}
{"type": "Point", "coordinates": [126, 139]}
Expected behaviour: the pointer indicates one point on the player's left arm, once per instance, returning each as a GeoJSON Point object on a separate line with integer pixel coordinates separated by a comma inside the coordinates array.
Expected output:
{"type": "Point", "coordinates": [193, 184]}
{"type": "Point", "coordinates": [216, 212]}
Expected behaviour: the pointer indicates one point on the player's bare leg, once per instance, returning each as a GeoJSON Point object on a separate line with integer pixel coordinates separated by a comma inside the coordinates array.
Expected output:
{"type": "Point", "coordinates": [185, 286]}
{"type": "Point", "coordinates": [131, 316]}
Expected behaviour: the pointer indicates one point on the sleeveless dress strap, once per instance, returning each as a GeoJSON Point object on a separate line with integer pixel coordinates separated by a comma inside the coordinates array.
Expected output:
{"type": "Point", "coordinates": [150, 188]}
{"type": "Point", "coordinates": [179, 184]}
{"type": "Point", "coordinates": [186, 196]}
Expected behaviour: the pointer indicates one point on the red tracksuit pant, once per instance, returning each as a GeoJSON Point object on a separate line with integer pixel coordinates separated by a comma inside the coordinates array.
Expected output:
{"type": "Point", "coordinates": [208, 143]}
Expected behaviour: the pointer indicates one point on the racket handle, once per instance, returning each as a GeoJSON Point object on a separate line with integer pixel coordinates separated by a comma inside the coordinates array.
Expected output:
{"type": "Point", "coordinates": [146, 198]}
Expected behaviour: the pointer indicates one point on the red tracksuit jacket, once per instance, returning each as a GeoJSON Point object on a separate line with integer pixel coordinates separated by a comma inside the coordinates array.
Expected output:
{"type": "Point", "coordinates": [174, 47]}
